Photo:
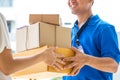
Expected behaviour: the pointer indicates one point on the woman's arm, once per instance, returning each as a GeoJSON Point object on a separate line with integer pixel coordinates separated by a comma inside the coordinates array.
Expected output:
{"type": "Point", "coordinates": [9, 65]}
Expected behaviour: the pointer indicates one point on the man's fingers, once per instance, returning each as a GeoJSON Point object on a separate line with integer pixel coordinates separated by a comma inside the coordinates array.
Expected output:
{"type": "Point", "coordinates": [70, 65]}
{"type": "Point", "coordinates": [75, 71]}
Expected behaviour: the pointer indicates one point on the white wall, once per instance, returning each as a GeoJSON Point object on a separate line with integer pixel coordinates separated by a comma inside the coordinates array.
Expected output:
{"type": "Point", "coordinates": [107, 10]}
{"type": "Point", "coordinates": [26, 7]}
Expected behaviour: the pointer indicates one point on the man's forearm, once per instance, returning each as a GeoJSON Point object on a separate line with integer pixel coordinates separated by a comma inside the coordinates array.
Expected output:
{"type": "Point", "coordinates": [104, 64]}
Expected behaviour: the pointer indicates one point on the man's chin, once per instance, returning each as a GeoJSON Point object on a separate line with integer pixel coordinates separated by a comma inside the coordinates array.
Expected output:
{"type": "Point", "coordinates": [74, 13]}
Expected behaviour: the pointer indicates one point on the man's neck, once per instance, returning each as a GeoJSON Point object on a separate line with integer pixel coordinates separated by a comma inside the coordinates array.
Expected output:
{"type": "Point", "coordinates": [83, 18]}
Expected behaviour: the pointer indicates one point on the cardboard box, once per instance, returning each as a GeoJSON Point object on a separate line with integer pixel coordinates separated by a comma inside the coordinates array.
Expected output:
{"type": "Point", "coordinates": [42, 70]}
{"type": "Point", "coordinates": [40, 34]}
{"type": "Point", "coordinates": [63, 37]}
{"type": "Point", "coordinates": [47, 18]}
{"type": "Point", "coordinates": [34, 36]}
{"type": "Point", "coordinates": [21, 39]}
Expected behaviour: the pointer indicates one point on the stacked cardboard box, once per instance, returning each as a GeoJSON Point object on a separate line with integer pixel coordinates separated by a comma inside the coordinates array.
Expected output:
{"type": "Point", "coordinates": [41, 33]}
{"type": "Point", "coordinates": [47, 18]}
{"type": "Point", "coordinates": [34, 36]}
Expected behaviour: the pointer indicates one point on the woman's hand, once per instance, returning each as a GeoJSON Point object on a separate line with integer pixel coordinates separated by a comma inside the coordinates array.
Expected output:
{"type": "Point", "coordinates": [78, 61]}
{"type": "Point", "coordinates": [53, 59]}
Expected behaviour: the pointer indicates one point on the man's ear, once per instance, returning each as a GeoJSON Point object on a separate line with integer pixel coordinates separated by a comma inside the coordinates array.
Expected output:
{"type": "Point", "coordinates": [69, 3]}
{"type": "Point", "coordinates": [91, 2]}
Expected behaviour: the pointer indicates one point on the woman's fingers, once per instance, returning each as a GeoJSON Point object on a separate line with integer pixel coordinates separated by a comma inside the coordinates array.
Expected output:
{"type": "Point", "coordinates": [57, 66]}
{"type": "Point", "coordinates": [60, 61]}
{"type": "Point", "coordinates": [69, 59]}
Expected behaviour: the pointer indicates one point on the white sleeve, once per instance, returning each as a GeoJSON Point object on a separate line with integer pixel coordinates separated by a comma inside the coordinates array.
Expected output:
{"type": "Point", "coordinates": [4, 37]}
{"type": "Point", "coordinates": [4, 77]}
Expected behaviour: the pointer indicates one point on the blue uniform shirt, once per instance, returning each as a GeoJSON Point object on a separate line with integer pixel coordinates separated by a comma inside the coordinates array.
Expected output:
{"type": "Point", "coordinates": [97, 39]}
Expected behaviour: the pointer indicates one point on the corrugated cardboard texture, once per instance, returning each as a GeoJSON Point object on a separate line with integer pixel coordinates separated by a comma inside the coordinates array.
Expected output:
{"type": "Point", "coordinates": [21, 39]}
{"type": "Point", "coordinates": [63, 37]}
{"type": "Point", "coordinates": [47, 18]}
{"type": "Point", "coordinates": [41, 68]}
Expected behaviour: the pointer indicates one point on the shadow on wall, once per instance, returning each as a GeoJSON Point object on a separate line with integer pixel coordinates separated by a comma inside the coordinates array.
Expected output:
{"type": "Point", "coordinates": [118, 34]}
{"type": "Point", "coordinates": [117, 75]}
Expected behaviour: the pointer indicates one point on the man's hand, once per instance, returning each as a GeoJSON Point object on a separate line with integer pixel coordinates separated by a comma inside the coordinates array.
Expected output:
{"type": "Point", "coordinates": [54, 59]}
{"type": "Point", "coordinates": [78, 61]}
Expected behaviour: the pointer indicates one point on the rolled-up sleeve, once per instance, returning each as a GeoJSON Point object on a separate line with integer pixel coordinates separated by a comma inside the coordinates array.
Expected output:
{"type": "Point", "coordinates": [109, 43]}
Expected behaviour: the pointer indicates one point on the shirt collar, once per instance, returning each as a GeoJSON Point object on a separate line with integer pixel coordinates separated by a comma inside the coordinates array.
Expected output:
{"type": "Point", "coordinates": [93, 20]}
